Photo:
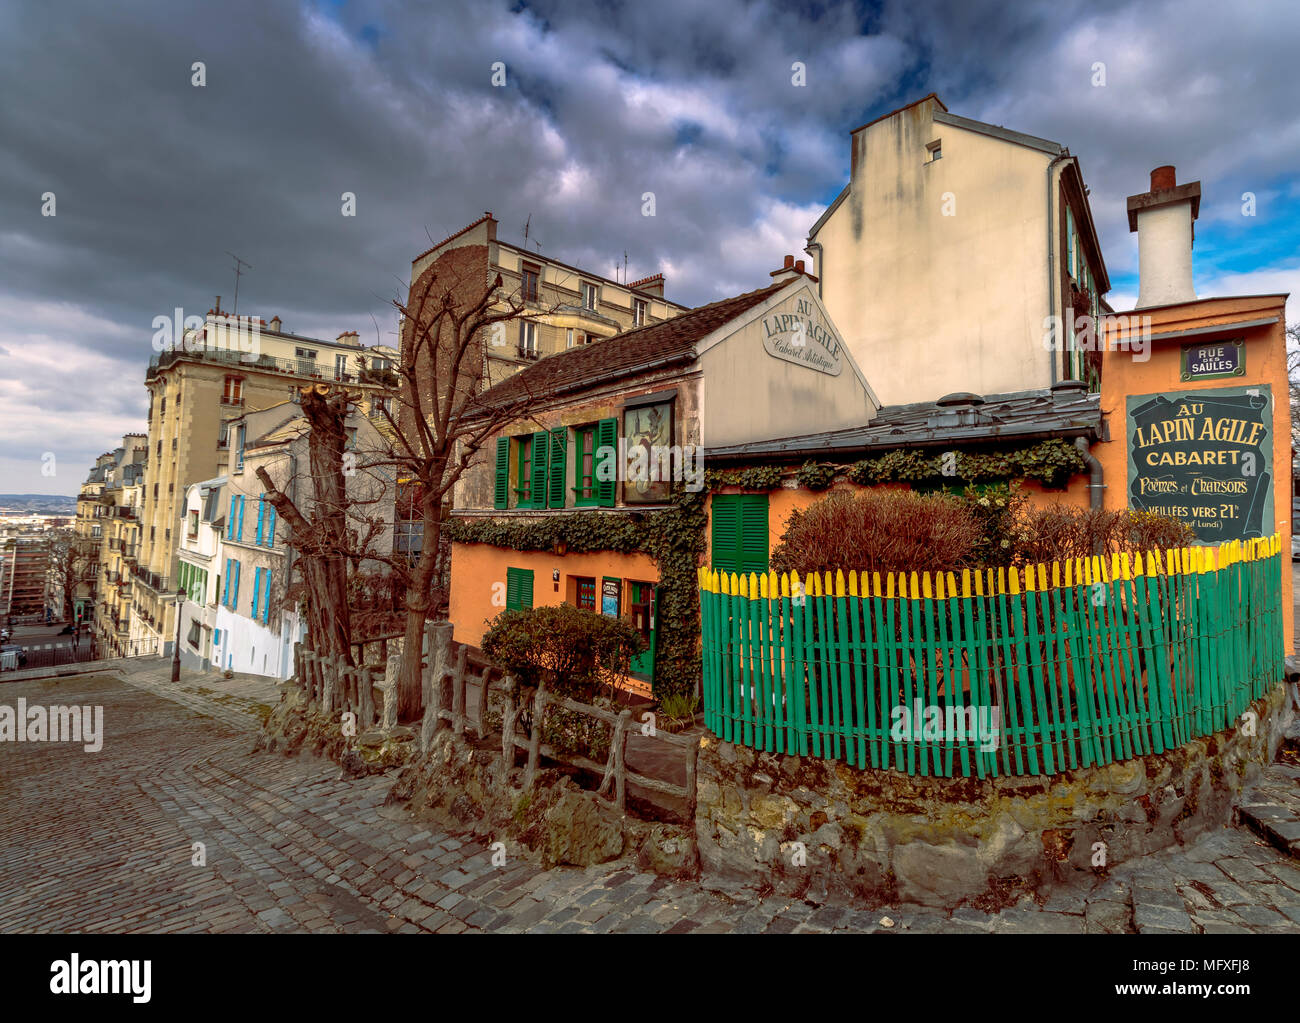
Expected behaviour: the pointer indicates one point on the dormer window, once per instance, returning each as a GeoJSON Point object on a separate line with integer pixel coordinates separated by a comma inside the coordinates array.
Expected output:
{"type": "Point", "coordinates": [935, 149]}
{"type": "Point", "coordinates": [590, 295]}
{"type": "Point", "coordinates": [529, 286]}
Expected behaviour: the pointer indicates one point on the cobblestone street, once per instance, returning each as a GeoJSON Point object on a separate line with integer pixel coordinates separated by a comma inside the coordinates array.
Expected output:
{"type": "Point", "coordinates": [103, 842]}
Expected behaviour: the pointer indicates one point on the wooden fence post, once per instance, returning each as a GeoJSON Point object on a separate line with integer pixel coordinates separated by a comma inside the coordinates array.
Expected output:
{"type": "Point", "coordinates": [620, 766]}
{"type": "Point", "coordinates": [392, 673]}
{"type": "Point", "coordinates": [438, 641]}
{"type": "Point", "coordinates": [458, 692]}
{"type": "Point", "coordinates": [365, 697]}
{"type": "Point", "coordinates": [483, 690]}
{"type": "Point", "coordinates": [535, 739]}
{"type": "Point", "coordinates": [297, 664]}
{"type": "Point", "coordinates": [508, 717]}
{"type": "Point", "coordinates": [691, 760]}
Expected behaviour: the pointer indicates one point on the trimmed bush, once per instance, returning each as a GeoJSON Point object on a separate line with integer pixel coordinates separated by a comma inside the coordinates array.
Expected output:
{"type": "Point", "coordinates": [879, 530]}
{"type": "Point", "coordinates": [1059, 531]}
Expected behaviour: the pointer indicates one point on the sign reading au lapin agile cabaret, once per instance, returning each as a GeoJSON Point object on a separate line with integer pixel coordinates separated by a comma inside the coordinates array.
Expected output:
{"type": "Point", "coordinates": [1204, 457]}
{"type": "Point", "coordinates": [797, 337]}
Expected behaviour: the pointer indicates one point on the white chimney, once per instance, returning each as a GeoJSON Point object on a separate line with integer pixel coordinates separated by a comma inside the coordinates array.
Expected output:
{"type": "Point", "coordinates": [1163, 220]}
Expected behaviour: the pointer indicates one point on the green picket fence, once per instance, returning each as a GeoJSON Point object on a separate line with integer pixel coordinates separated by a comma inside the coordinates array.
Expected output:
{"type": "Point", "coordinates": [1028, 671]}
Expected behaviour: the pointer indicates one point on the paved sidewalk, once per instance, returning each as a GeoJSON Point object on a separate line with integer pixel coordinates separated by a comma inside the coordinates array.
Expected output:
{"type": "Point", "coordinates": [105, 842]}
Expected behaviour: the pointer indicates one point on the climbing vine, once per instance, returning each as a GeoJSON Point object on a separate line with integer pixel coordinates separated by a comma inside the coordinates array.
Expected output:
{"type": "Point", "coordinates": [673, 537]}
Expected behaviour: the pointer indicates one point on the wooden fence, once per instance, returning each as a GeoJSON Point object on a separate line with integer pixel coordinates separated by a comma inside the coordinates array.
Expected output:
{"type": "Point", "coordinates": [336, 688]}
{"type": "Point", "coordinates": [1027, 671]}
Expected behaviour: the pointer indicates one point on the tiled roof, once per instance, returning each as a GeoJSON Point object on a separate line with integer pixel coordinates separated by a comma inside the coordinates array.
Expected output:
{"type": "Point", "coordinates": [1022, 414]}
{"type": "Point", "coordinates": [625, 354]}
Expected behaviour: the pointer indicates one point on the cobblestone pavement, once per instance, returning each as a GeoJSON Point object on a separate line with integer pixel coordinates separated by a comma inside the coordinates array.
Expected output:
{"type": "Point", "coordinates": [104, 842]}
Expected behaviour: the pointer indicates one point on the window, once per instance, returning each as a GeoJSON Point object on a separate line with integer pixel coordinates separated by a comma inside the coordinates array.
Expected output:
{"type": "Point", "coordinates": [232, 393]}
{"type": "Point", "coordinates": [590, 295]}
{"type": "Point", "coordinates": [528, 340]}
{"type": "Point", "coordinates": [584, 465]}
{"type": "Point", "coordinates": [519, 588]}
{"type": "Point", "coordinates": [739, 532]}
{"type": "Point", "coordinates": [160, 447]}
{"type": "Point", "coordinates": [194, 634]}
{"type": "Point", "coordinates": [585, 595]}
{"type": "Point", "coordinates": [381, 365]}
{"type": "Point", "coordinates": [638, 312]}
{"type": "Point", "coordinates": [935, 149]}
{"type": "Point", "coordinates": [194, 524]}
{"type": "Point", "coordinates": [304, 353]}
{"type": "Point", "coordinates": [378, 406]}
{"type": "Point", "coordinates": [568, 342]}
{"type": "Point", "coordinates": [531, 277]}
{"type": "Point", "coordinates": [408, 537]}
{"type": "Point", "coordinates": [524, 475]}
{"type": "Point", "coordinates": [239, 448]}
{"type": "Point", "coordinates": [223, 434]}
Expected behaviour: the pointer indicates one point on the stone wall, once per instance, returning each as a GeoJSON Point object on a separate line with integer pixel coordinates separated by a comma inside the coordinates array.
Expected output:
{"type": "Point", "coordinates": [881, 836]}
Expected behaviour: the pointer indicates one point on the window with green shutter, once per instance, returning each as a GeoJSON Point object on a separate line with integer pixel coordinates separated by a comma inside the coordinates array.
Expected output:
{"type": "Point", "coordinates": [739, 532]}
{"type": "Point", "coordinates": [555, 470]}
{"type": "Point", "coordinates": [501, 493]}
{"type": "Point", "coordinates": [584, 465]}
{"type": "Point", "coordinates": [524, 471]}
{"type": "Point", "coordinates": [519, 588]}
{"type": "Point", "coordinates": [540, 459]}
{"type": "Point", "coordinates": [606, 462]}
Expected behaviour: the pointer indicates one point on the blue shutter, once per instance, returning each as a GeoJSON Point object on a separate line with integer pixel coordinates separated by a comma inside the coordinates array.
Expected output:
{"type": "Point", "coordinates": [257, 589]}
{"type": "Point", "coordinates": [230, 526]}
{"type": "Point", "coordinates": [225, 595]}
{"type": "Point", "coordinates": [234, 597]}
{"type": "Point", "coordinates": [270, 529]}
{"type": "Point", "coordinates": [266, 598]}
{"type": "Point", "coordinates": [261, 516]}
{"type": "Point", "coordinates": [239, 533]}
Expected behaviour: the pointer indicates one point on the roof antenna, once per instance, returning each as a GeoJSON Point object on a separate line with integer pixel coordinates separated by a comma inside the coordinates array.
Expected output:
{"type": "Point", "coordinates": [625, 266]}
{"type": "Point", "coordinates": [239, 263]}
{"type": "Point", "coordinates": [527, 227]}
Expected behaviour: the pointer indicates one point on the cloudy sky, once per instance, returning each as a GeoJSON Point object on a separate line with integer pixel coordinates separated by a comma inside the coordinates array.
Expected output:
{"type": "Point", "coordinates": [155, 179]}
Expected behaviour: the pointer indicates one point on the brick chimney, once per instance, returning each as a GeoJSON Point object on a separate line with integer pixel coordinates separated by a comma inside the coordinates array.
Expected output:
{"type": "Point", "coordinates": [652, 285]}
{"type": "Point", "coordinates": [349, 337]}
{"type": "Point", "coordinates": [1163, 219]}
{"type": "Point", "coordinates": [275, 324]}
{"type": "Point", "coordinates": [791, 269]}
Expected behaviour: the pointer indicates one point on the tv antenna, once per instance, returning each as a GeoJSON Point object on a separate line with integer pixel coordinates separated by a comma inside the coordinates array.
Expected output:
{"type": "Point", "coordinates": [527, 228]}
{"type": "Point", "coordinates": [239, 264]}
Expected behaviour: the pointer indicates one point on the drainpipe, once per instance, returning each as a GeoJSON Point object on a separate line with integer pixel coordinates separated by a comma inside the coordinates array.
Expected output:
{"type": "Point", "coordinates": [821, 274]}
{"type": "Point", "coordinates": [1096, 481]}
{"type": "Point", "coordinates": [1051, 259]}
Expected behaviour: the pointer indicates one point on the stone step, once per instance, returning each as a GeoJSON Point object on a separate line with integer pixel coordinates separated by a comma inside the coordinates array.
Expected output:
{"type": "Point", "coordinates": [1271, 808]}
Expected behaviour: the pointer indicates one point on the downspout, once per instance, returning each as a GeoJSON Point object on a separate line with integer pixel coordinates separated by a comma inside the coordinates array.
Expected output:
{"type": "Point", "coordinates": [1096, 480]}
{"type": "Point", "coordinates": [1051, 263]}
{"type": "Point", "coordinates": [821, 275]}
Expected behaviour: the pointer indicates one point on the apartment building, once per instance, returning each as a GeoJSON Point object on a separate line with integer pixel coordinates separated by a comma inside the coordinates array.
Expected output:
{"type": "Point", "coordinates": [122, 499]}
{"type": "Point", "coordinates": [566, 306]}
{"type": "Point", "coordinates": [247, 580]}
{"type": "Point", "coordinates": [24, 561]}
{"type": "Point", "coordinates": [961, 257]}
{"type": "Point", "coordinates": [198, 390]}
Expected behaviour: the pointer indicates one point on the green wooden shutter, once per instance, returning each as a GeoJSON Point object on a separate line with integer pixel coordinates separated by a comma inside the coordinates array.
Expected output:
{"type": "Point", "coordinates": [753, 533]}
{"type": "Point", "coordinates": [555, 478]}
{"type": "Point", "coordinates": [606, 455]}
{"type": "Point", "coordinates": [537, 486]}
{"type": "Point", "coordinates": [519, 588]}
{"type": "Point", "coordinates": [501, 495]}
{"type": "Point", "coordinates": [725, 532]}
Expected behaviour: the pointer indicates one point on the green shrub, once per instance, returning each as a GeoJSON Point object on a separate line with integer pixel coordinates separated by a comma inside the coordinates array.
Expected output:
{"type": "Point", "coordinates": [577, 653]}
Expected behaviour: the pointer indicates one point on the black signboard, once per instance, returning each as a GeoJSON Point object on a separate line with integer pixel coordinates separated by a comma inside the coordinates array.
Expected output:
{"type": "Point", "coordinates": [1214, 360]}
{"type": "Point", "coordinates": [1204, 457]}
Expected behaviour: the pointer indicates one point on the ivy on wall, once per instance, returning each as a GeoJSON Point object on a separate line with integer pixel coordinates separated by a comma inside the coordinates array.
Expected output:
{"type": "Point", "coordinates": [673, 537]}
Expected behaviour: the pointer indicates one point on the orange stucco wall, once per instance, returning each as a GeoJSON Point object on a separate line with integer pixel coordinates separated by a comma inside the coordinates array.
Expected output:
{"type": "Point", "coordinates": [478, 575]}
{"type": "Point", "coordinates": [780, 503]}
{"type": "Point", "coordinates": [1123, 374]}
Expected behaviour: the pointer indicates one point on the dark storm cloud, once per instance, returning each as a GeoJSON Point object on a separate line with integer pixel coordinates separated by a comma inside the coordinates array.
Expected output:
{"type": "Point", "coordinates": [156, 180]}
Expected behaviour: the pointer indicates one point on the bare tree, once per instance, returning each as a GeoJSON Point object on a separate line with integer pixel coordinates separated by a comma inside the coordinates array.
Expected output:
{"type": "Point", "coordinates": [1293, 379]}
{"type": "Point", "coordinates": [73, 560]}
{"type": "Point", "coordinates": [439, 426]}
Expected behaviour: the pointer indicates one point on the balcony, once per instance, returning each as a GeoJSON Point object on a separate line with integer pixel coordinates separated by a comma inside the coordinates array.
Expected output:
{"type": "Point", "coordinates": [525, 352]}
{"type": "Point", "coordinates": [152, 580]}
{"type": "Point", "coordinates": [247, 361]}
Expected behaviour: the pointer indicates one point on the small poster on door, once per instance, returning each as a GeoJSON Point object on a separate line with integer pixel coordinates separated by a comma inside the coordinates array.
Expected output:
{"type": "Point", "coordinates": [609, 597]}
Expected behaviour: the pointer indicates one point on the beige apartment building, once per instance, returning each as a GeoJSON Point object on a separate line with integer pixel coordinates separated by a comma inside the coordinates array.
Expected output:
{"type": "Point", "coordinates": [230, 366]}
{"type": "Point", "coordinates": [954, 252]}
{"type": "Point", "coordinates": [565, 306]}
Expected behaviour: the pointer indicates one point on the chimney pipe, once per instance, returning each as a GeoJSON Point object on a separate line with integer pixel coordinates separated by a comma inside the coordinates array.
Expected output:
{"type": "Point", "coordinates": [1163, 219]}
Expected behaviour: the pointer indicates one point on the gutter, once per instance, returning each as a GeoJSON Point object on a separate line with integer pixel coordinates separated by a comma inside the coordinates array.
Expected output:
{"type": "Point", "coordinates": [821, 273]}
{"type": "Point", "coordinates": [1096, 475]}
{"type": "Point", "coordinates": [1051, 263]}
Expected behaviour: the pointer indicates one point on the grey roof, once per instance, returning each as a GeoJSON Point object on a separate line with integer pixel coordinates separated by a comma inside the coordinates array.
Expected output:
{"type": "Point", "coordinates": [998, 132]}
{"type": "Point", "coordinates": [1022, 415]}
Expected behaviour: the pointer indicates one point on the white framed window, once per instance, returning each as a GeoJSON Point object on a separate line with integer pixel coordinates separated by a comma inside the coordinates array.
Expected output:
{"type": "Point", "coordinates": [590, 295]}
{"type": "Point", "coordinates": [527, 339]}
{"type": "Point", "coordinates": [638, 312]}
{"type": "Point", "coordinates": [568, 338]}
{"type": "Point", "coordinates": [935, 150]}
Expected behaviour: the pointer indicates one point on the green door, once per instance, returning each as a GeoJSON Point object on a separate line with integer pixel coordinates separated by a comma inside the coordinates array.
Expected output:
{"type": "Point", "coordinates": [641, 605]}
